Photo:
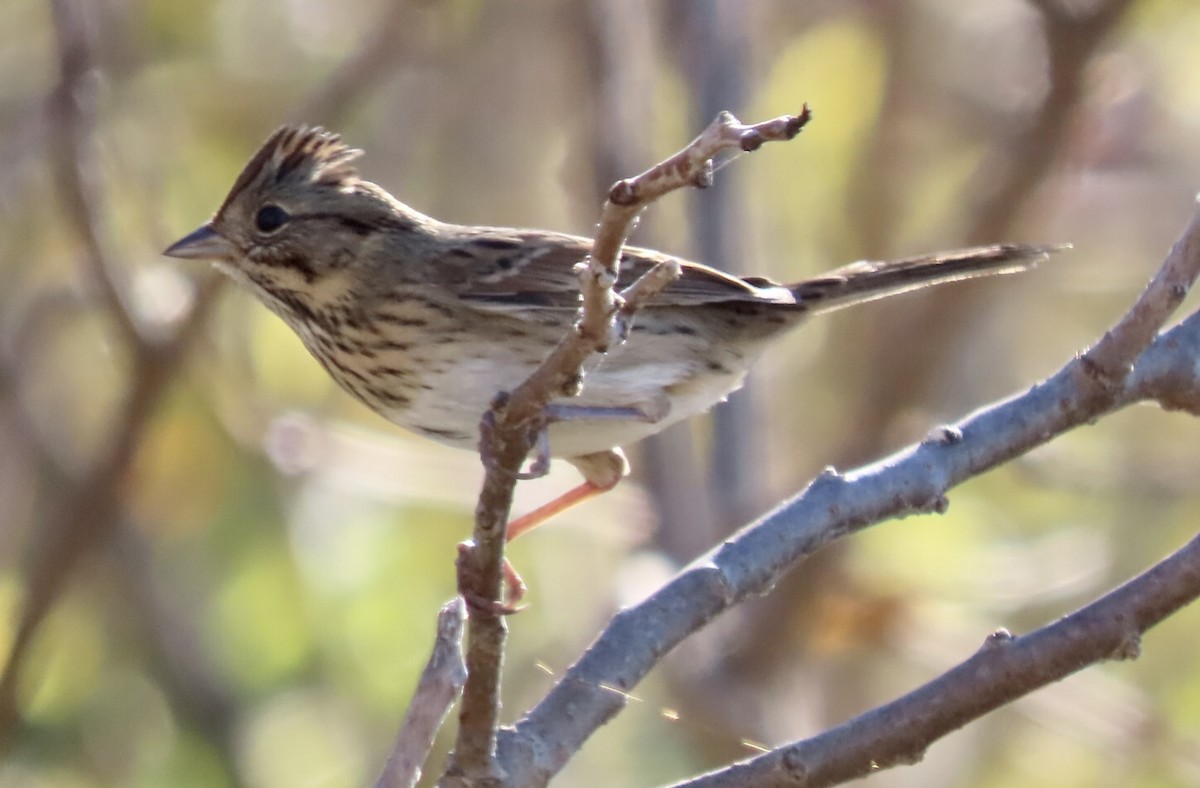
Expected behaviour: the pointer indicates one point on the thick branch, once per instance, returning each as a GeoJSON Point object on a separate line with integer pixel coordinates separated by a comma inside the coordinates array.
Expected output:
{"type": "Point", "coordinates": [1004, 669]}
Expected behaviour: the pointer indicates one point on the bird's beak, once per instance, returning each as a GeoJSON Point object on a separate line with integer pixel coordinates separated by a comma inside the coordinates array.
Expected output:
{"type": "Point", "coordinates": [203, 244]}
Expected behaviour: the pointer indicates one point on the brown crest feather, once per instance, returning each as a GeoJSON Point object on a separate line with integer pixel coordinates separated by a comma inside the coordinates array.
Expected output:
{"type": "Point", "coordinates": [299, 152]}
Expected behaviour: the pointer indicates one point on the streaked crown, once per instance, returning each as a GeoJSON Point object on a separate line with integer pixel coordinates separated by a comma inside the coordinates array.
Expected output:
{"type": "Point", "coordinates": [298, 155]}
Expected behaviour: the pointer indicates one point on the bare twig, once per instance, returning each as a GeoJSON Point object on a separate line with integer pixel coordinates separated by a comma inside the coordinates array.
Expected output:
{"type": "Point", "coordinates": [1004, 669]}
{"type": "Point", "coordinates": [90, 511]}
{"type": "Point", "coordinates": [885, 384]}
{"type": "Point", "coordinates": [71, 121]}
{"type": "Point", "coordinates": [437, 688]}
{"type": "Point", "coordinates": [750, 563]}
{"type": "Point", "coordinates": [1111, 358]}
{"type": "Point", "coordinates": [509, 428]}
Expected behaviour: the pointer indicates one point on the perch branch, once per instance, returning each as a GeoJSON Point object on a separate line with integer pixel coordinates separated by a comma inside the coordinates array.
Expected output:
{"type": "Point", "coordinates": [509, 428]}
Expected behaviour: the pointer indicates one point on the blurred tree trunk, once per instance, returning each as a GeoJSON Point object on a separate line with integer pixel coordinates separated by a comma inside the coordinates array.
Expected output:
{"type": "Point", "coordinates": [621, 51]}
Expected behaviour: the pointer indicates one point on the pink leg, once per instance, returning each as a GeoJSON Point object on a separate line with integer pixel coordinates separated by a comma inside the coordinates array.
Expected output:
{"type": "Point", "coordinates": [527, 522]}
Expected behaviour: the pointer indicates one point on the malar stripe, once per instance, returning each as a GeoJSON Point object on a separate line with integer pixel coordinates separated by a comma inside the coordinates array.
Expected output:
{"type": "Point", "coordinates": [297, 263]}
{"type": "Point", "coordinates": [293, 302]}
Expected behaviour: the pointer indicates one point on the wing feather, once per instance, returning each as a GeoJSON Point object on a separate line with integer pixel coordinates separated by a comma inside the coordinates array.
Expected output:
{"type": "Point", "coordinates": [522, 270]}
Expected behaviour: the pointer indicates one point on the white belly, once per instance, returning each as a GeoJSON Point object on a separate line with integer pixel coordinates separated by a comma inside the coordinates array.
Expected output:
{"type": "Point", "coordinates": [462, 397]}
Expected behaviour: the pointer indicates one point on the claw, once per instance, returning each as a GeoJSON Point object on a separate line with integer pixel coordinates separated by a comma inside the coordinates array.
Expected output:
{"type": "Point", "coordinates": [541, 461]}
{"type": "Point", "coordinates": [511, 594]}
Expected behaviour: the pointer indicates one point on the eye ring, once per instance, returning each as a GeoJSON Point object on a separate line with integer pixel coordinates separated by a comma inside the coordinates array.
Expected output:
{"type": "Point", "coordinates": [270, 218]}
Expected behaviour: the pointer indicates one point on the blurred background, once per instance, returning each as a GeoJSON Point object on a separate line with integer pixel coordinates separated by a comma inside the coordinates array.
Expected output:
{"type": "Point", "coordinates": [216, 569]}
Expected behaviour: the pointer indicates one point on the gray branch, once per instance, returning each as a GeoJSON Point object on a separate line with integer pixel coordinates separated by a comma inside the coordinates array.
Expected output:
{"type": "Point", "coordinates": [1004, 669]}
{"type": "Point", "coordinates": [436, 692]}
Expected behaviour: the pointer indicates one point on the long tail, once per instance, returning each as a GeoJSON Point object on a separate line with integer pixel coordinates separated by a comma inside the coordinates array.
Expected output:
{"type": "Point", "coordinates": [866, 280]}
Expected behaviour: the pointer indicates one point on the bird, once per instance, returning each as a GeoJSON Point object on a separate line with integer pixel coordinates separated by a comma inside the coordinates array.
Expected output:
{"type": "Point", "coordinates": [426, 321]}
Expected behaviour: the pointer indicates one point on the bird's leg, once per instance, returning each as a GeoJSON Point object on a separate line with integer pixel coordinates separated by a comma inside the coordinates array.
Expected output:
{"type": "Point", "coordinates": [514, 586]}
{"type": "Point", "coordinates": [601, 471]}
{"type": "Point", "coordinates": [649, 412]}
{"type": "Point", "coordinates": [530, 520]}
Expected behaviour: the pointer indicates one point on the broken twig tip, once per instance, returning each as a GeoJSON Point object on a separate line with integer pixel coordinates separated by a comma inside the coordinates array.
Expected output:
{"type": "Point", "coordinates": [997, 638]}
{"type": "Point", "coordinates": [573, 385]}
{"type": "Point", "coordinates": [752, 140]}
{"type": "Point", "coordinates": [622, 193]}
{"type": "Point", "coordinates": [801, 120]}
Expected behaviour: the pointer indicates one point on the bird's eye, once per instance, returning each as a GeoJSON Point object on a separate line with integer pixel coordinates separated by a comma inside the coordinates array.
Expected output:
{"type": "Point", "coordinates": [270, 218]}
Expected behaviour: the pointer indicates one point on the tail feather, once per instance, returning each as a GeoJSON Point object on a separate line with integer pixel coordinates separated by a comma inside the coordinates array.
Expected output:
{"type": "Point", "coordinates": [868, 280]}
